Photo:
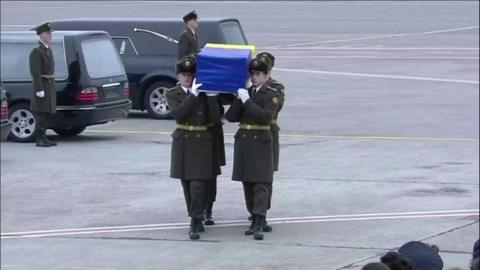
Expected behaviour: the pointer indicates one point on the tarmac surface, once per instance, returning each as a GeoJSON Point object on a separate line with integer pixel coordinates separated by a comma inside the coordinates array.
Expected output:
{"type": "Point", "coordinates": [379, 146]}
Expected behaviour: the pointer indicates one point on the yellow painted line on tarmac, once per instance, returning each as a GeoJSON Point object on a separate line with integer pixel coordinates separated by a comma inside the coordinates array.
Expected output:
{"type": "Point", "coordinates": [306, 136]}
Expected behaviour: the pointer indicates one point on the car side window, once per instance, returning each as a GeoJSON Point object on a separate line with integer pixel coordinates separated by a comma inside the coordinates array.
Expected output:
{"type": "Point", "coordinates": [124, 46]}
{"type": "Point", "coordinates": [232, 33]}
{"type": "Point", "coordinates": [15, 61]}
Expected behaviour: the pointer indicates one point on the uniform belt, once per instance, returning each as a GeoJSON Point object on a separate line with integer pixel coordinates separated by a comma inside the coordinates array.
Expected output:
{"type": "Point", "coordinates": [254, 127]}
{"type": "Point", "coordinates": [47, 76]}
{"type": "Point", "coordinates": [274, 121]}
{"type": "Point", "coordinates": [192, 128]}
{"type": "Point", "coordinates": [210, 125]}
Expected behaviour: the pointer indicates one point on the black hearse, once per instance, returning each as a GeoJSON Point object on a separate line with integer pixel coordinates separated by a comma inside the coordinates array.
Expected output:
{"type": "Point", "coordinates": [90, 81]}
{"type": "Point", "coordinates": [148, 49]}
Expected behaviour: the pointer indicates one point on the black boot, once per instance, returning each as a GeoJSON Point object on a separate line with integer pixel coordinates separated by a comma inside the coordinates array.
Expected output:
{"type": "Point", "coordinates": [40, 139]}
{"type": "Point", "coordinates": [266, 227]}
{"type": "Point", "coordinates": [193, 231]}
{"type": "Point", "coordinates": [208, 215]}
{"type": "Point", "coordinates": [52, 143]}
{"type": "Point", "coordinates": [250, 230]}
{"type": "Point", "coordinates": [199, 225]}
{"type": "Point", "coordinates": [257, 227]}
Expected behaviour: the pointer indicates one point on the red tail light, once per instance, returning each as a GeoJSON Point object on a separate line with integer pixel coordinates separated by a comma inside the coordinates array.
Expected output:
{"type": "Point", "coordinates": [126, 90]}
{"type": "Point", "coordinates": [4, 109]}
{"type": "Point", "coordinates": [88, 94]}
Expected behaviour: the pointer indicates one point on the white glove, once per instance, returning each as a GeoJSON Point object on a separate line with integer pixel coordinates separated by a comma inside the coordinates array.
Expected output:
{"type": "Point", "coordinates": [212, 94]}
{"type": "Point", "coordinates": [243, 94]}
{"type": "Point", "coordinates": [195, 87]}
{"type": "Point", "coordinates": [40, 94]}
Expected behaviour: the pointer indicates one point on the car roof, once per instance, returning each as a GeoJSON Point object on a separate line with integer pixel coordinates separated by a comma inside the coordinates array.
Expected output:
{"type": "Point", "coordinates": [136, 19]}
{"type": "Point", "coordinates": [57, 35]}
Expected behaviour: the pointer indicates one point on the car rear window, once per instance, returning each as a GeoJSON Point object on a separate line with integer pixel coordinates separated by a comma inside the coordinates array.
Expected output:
{"type": "Point", "coordinates": [101, 58]}
{"type": "Point", "coordinates": [15, 58]}
{"type": "Point", "coordinates": [232, 33]}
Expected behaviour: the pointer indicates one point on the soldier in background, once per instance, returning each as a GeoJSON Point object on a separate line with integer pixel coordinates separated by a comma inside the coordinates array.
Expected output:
{"type": "Point", "coordinates": [44, 100]}
{"type": "Point", "coordinates": [255, 109]}
{"type": "Point", "coordinates": [192, 156]}
{"type": "Point", "coordinates": [188, 41]}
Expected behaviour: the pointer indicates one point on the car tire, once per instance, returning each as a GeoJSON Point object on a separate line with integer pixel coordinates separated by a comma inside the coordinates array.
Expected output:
{"type": "Point", "coordinates": [69, 132]}
{"type": "Point", "coordinates": [155, 100]}
{"type": "Point", "coordinates": [23, 123]}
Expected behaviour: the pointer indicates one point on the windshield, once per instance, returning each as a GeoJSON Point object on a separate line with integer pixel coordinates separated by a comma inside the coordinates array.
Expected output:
{"type": "Point", "coordinates": [232, 33]}
{"type": "Point", "coordinates": [101, 58]}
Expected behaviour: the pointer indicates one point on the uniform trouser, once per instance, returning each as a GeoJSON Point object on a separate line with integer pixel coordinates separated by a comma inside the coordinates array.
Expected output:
{"type": "Point", "coordinates": [211, 193]}
{"type": "Point", "coordinates": [195, 192]}
{"type": "Point", "coordinates": [257, 197]}
{"type": "Point", "coordinates": [41, 120]}
{"type": "Point", "coordinates": [269, 204]}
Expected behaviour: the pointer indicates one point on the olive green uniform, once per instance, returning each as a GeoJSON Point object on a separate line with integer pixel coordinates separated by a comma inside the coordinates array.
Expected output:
{"type": "Point", "coordinates": [192, 154]}
{"type": "Point", "coordinates": [42, 68]}
{"type": "Point", "coordinates": [276, 128]}
{"type": "Point", "coordinates": [219, 152]}
{"type": "Point", "coordinates": [253, 149]}
{"type": "Point", "coordinates": [187, 44]}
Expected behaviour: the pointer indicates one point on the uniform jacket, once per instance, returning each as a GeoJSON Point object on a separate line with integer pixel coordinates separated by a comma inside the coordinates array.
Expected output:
{"type": "Point", "coordinates": [187, 44]}
{"type": "Point", "coordinates": [42, 63]}
{"type": "Point", "coordinates": [253, 149]}
{"type": "Point", "coordinates": [275, 127]}
{"type": "Point", "coordinates": [219, 141]}
{"type": "Point", "coordinates": [192, 154]}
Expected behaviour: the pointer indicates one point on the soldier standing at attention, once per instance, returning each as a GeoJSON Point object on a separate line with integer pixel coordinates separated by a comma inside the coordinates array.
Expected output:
{"type": "Point", "coordinates": [44, 100]}
{"type": "Point", "coordinates": [255, 109]}
{"type": "Point", "coordinates": [192, 156]}
{"type": "Point", "coordinates": [188, 41]}
{"type": "Point", "coordinates": [275, 128]}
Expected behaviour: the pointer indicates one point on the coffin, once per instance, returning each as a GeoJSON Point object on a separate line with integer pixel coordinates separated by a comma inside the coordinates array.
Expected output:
{"type": "Point", "coordinates": [221, 69]}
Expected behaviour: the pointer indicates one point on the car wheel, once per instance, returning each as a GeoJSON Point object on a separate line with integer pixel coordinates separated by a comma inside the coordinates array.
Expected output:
{"type": "Point", "coordinates": [69, 132]}
{"type": "Point", "coordinates": [155, 100]}
{"type": "Point", "coordinates": [23, 123]}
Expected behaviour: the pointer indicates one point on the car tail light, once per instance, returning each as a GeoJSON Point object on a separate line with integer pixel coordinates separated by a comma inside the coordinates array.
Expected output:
{"type": "Point", "coordinates": [88, 94]}
{"type": "Point", "coordinates": [4, 109]}
{"type": "Point", "coordinates": [126, 90]}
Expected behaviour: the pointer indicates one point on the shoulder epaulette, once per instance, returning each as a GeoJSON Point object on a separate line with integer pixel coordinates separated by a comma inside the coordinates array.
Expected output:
{"type": "Point", "coordinates": [171, 89]}
{"type": "Point", "coordinates": [272, 88]}
{"type": "Point", "coordinates": [278, 85]}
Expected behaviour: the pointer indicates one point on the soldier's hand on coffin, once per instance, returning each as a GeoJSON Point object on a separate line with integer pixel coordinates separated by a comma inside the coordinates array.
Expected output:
{"type": "Point", "coordinates": [195, 87]}
{"type": "Point", "coordinates": [243, 94]}
{"type": "Point", "coordinates": [40, 94]}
